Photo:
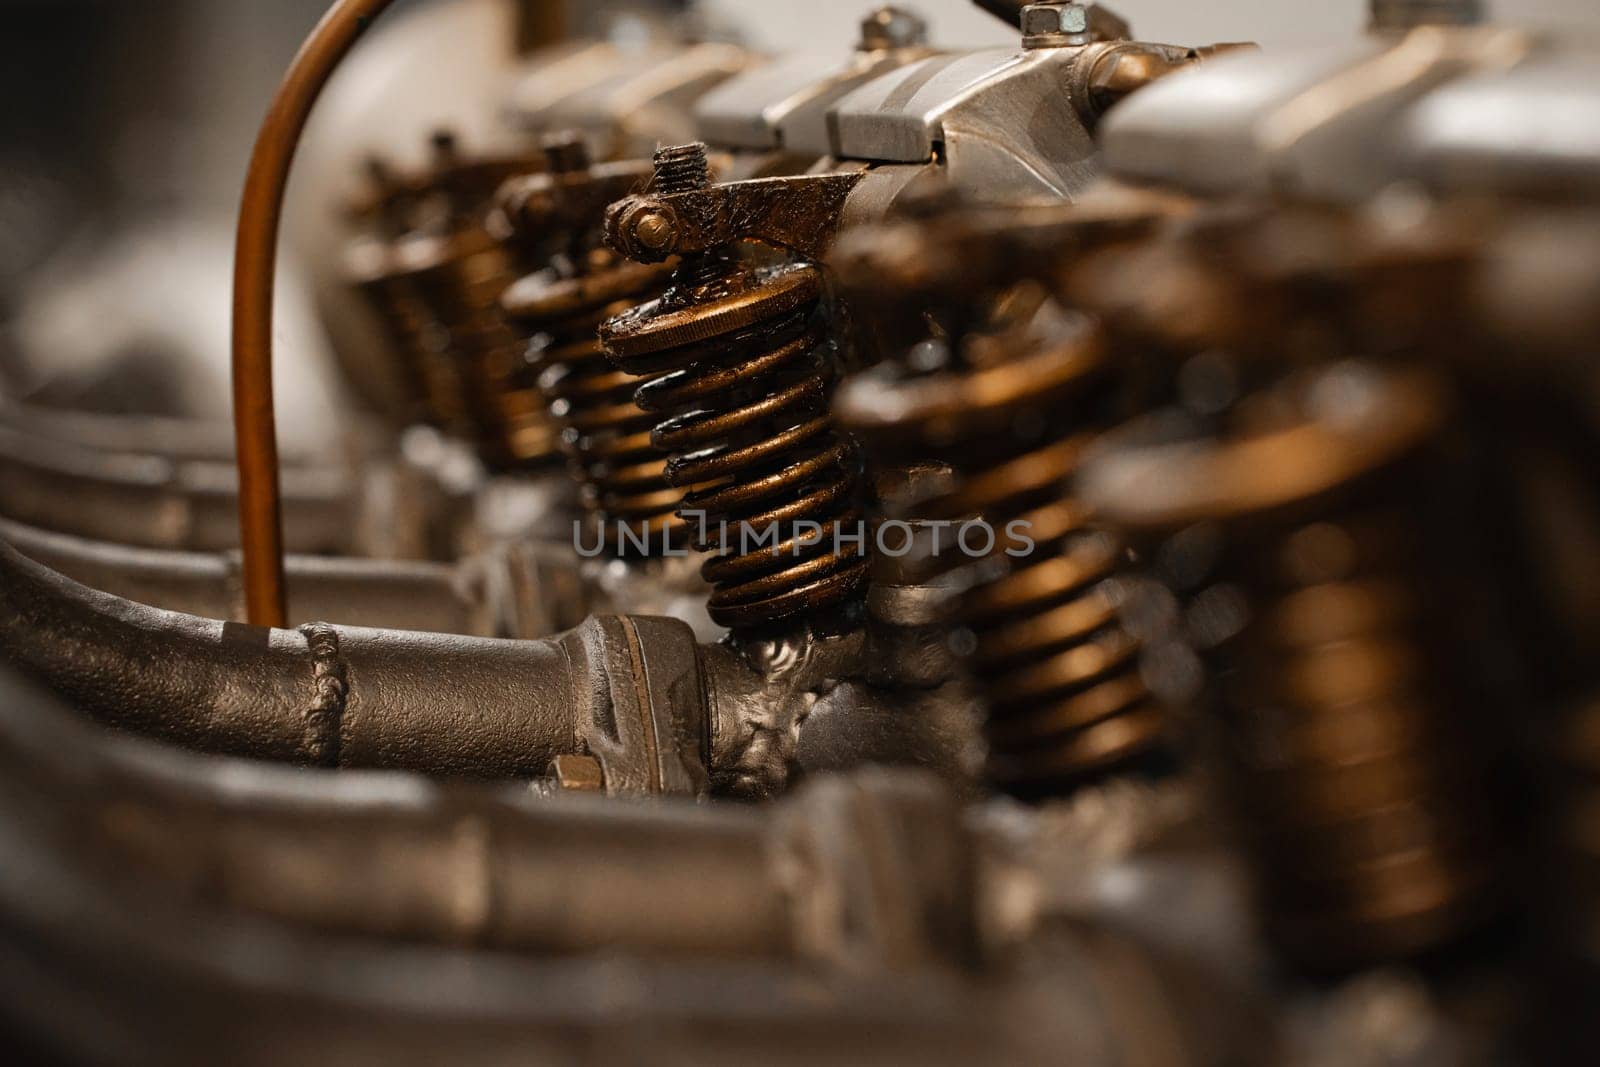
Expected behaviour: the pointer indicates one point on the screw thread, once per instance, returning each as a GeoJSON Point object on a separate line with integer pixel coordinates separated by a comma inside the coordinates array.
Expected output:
{"type": "Point", "coordinates": [682, 169]}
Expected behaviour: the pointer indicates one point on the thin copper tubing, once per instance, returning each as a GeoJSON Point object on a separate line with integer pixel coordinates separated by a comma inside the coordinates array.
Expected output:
{"type": "Point", "coordinates": [255, 264]}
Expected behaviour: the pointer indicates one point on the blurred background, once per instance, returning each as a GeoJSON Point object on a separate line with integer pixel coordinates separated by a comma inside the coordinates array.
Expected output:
{"type": "Point", "coordinates": [128, 124]}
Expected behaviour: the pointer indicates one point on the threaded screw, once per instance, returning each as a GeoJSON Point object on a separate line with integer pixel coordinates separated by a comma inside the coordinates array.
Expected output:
{"type": "Point", "coordinates": [682, 169]}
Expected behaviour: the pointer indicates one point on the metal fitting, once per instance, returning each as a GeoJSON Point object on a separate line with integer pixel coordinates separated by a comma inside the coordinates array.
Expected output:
{"type": "Point", "coordinates": [1056, 25]}
{"type": "Point", "coordinates": [577, 774]}
{"type": "Point", "coordinates": [655, 230]}
{"type": "Point", "coordinates": [892, 27]}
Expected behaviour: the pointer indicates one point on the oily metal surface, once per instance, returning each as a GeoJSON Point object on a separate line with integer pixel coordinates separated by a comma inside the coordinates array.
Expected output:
{"type": "Point", "coordinates": [741, 364]}
{"type": "Point", "coordinates": [1011, 412]}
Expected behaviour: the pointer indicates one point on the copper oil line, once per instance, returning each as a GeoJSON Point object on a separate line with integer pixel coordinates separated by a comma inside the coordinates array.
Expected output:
{"type": "Point", "coordinates": [255, 263]}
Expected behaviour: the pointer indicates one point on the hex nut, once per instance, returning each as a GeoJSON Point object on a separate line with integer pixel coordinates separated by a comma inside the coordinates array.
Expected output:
{"type": "Point", "coordinates": [1043, 20]}
{"type": "Point", "coordinates": [893, 27]}
{"type": "Point", "coordinates": [578, 774]}
{"type": "Point", "coordinates": [654, 230]}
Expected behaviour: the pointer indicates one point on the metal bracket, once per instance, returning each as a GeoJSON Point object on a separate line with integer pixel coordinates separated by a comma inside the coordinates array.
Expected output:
{"type": "Point", "coordinates": [800, 214]}
{"type": "Point", "coordinates": [644, 721]}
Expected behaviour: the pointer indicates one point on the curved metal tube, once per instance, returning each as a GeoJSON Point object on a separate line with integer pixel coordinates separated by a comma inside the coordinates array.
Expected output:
{"type": "Point", "coordinates": [175, 438]}
{"type": "Point", "coordinates": [426, 597]}
{"type": "Point", "coordinates": [157, 906]}
{"type": "Point", "coordinates": [157, 501]}
{"type": "Point", "coordinates": [394, 856]}
{"type": "Point", "coordinates": [469, 707]}
{"type": "Point", "coordinates": [255, 265]}
{"type": "Point", "coordinates": [658, 712]}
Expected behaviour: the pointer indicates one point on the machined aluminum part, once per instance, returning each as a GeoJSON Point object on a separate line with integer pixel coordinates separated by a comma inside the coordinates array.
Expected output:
{"type": "Point", "coordinates": [1002, 123]}
{"type": "Point", "coordinates": [785, 105]}
{"type": "Point", "coordinates": [1527, 131]}
{"type": "Point", "coordinates": [1323, 122]}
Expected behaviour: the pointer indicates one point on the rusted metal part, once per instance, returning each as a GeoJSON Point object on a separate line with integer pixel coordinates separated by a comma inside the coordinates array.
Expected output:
{"type": "Point", "coordinates": [604, 434]}
{"type": "Point", "coordinates": [742, 366]}
{"type": "Point", "coordinates": [462, 277]}
{"type": "Point", "coordinates": [569, 200]}
{"type": "Point", "coordinates": [433, 272]}
{"type": "Point", "coordinates": [799, 214]}
{"type": "Point", "coordinates": [433, 382]}
{"type": "Point", "coordinates": [1057, 670]}
{"type": "Point", "coordinates": [940, 249]}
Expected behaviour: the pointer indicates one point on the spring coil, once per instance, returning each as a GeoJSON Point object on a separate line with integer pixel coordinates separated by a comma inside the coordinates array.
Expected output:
{"type": "Point", "coordinates": [604, 433]}
{"type": "Point", "coordinates": [1347, 743]}
{"type": "Point", "coordinates": [741, 375]}
{"type": "Point", "coordinates": [1059, 673]}
{"type": "Point", "coordinates": [431, 381]}
{"type": "Point", "coordinates": [462, 277]}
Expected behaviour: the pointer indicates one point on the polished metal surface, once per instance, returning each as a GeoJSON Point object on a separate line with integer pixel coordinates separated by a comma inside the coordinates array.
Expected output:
{"type": "Point", "coordinates": [1324, 122]}
{"type": "Point", "coordinates": [785, 105]}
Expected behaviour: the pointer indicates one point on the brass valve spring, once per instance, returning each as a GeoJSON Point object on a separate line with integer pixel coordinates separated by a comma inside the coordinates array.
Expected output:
{"type": "Point", "coordinates": [1058, 671]}
{"type": "Point", "coordinates": [431, 379]}
{"type": "Point", "coordinates": [741, 370]}
{"type": "Point", "coordinates": [1348, 741]}
{"type": "Point", "coordinates": [463, 277]}
{"type": "Point", "coordinates": [741, 367]}
{"type": "Point", "coordinates": [604, 433]}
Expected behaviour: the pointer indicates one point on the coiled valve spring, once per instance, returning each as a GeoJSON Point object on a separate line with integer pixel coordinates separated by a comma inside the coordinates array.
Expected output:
{"type": "Point", "coordinates": [604, 433]}
{"type": "Point", "coordinates": [1012, 416]}
{"type": "Point", "coordinates": [1347, 740]}
{"type": "Point", "coordinates": [376, 270]}
{"type": "Point", "coordinates": [741, 374]}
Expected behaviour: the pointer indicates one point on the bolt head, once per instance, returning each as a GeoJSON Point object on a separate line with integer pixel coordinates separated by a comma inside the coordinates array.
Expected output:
{"type": "Point", "coordinates": [578, 774]}
{"type": "Point", "coordinates": [1042, 20]}
{"type": "Point", "coordinates": [654, 230]}
{"type": "Point", "coordinates": [893, 27]}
